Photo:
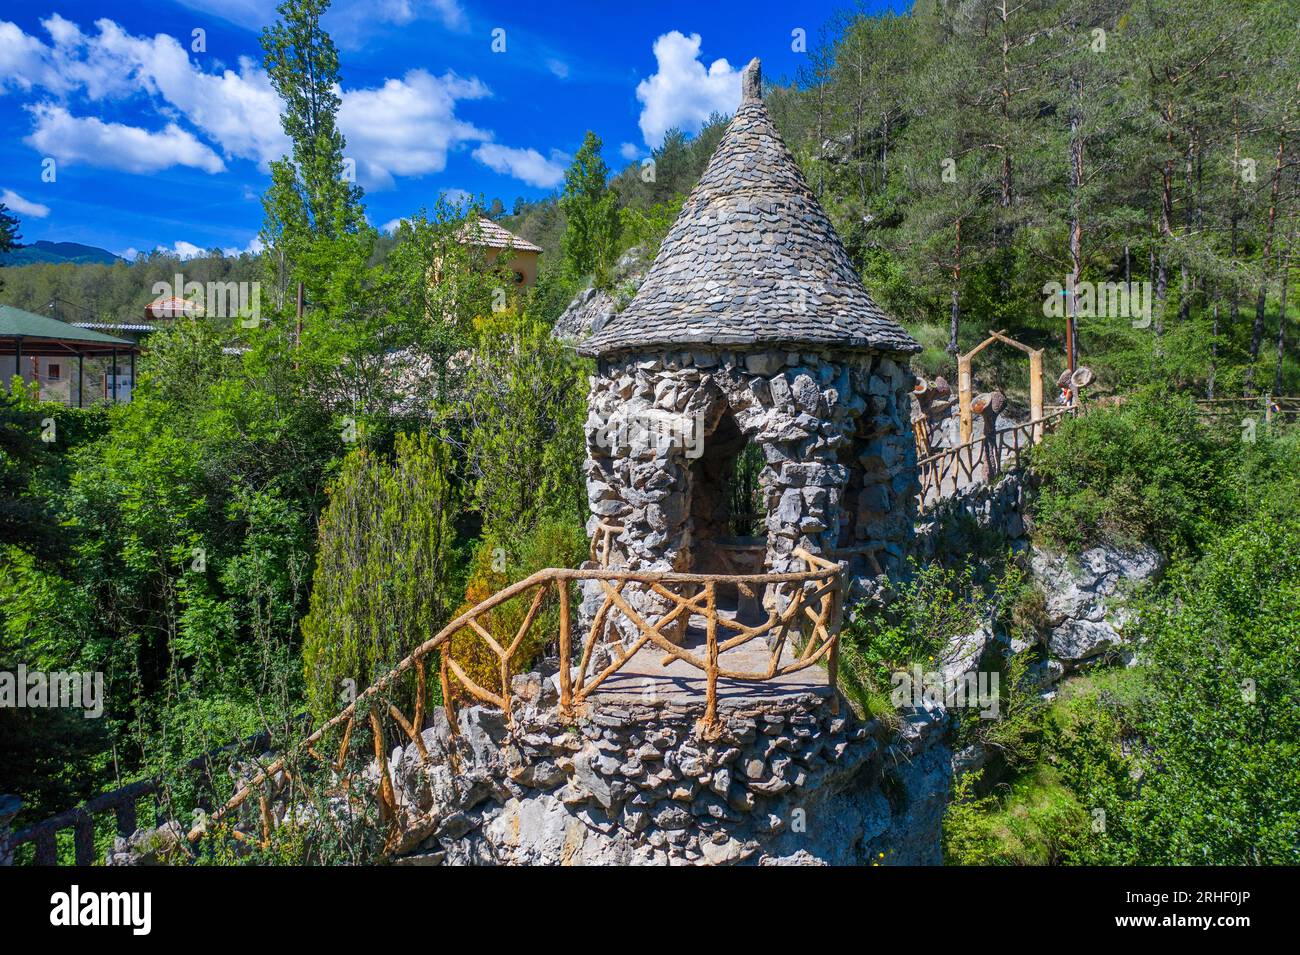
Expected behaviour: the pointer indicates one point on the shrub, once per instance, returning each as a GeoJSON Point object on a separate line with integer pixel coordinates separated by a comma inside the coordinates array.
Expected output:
{"type": "Point", "coordinates": [1146, 471]}
{"type": "Point", "coordinates": [518, 417]}
{"type": "Point", "coordinates": [1193, 757]}
{"type": "Point", "coordinates": [926, 611]}
{"type": "Point", "coordinates": [1031, 822]}
{"type": "Point", "coordinates": [493, 568]}
{"type": "Point", "coordinates": [379, 586]}
{"type": "Point", "coordinates": [1221, 720]}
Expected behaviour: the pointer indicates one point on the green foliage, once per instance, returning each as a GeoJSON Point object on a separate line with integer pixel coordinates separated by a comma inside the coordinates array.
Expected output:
{"type": "Point", "coordinates": [310, 192]}
{"type": "Point", "coordinates": [496, 564]}
{"type": "Point", "coordinates": [923, 614]}
{"type": "Point", "coordinates": [646, 228]}
{"type": "Point", "coordinates": [591, 213]}
{"type": "Point", "coordinates": [8, 233]}
{"type": "Point", "coordinates": [517, 419]}
{"type": "Point", "coordinates": [1149, 470]}
{"type": "Point", "coordinates": [1192, 758]}
{"type": "Point", "coordinates": [1221, 777]}
{"type": "Point", "coordinates": [380, 581]}
{"type": "Point", "coordinates": [1031, 822]}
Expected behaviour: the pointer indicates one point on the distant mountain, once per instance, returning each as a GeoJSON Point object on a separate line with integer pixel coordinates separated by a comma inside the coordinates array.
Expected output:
{"type": "Point", "coordinates": [73, 252]}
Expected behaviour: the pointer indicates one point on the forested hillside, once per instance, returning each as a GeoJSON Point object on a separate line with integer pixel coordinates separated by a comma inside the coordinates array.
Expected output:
{"type": "Point", "coordinates": [970, 154]}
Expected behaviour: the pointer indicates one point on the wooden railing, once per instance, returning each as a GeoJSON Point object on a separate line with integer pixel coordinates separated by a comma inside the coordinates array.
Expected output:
{"type": "Point", "coordinates": [602, 542]}
{"type": "Point", "coordinates": [123, 803]}
{"type": "Point", "coordinates": [979, 460]}
{"type": "Point", "coordinates": [81, 820]}
{"type": "Point", "coordinates": [807, 627]}
{"type": "Point", "coordinates": [1282, 409]}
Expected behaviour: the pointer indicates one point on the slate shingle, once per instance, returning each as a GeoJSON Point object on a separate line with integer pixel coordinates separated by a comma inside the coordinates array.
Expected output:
{"type": "Point", "coordinates": [751, 261]}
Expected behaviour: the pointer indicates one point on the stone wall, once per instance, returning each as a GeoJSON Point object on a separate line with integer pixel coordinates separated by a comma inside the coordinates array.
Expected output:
{"type": "Point", "coordinates": [788, 782]}
{"type": "Point", "coordinates": [1085, 597]}
{"type": "Point", "coordinates": [833, 429]}
{"type": "Point", "coordinates": [1001, 509]}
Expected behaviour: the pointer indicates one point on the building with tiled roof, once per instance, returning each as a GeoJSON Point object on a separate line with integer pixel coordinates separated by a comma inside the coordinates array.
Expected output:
{"type": "Point", "coordinates": [486, 234]}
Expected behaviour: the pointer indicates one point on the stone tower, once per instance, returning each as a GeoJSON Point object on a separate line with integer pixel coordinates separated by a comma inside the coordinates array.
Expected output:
{"type": "Point", "coordinates": [752, 327]}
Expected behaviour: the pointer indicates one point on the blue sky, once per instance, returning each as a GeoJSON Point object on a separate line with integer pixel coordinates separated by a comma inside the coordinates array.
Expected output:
{"type": "Point", "coordinates": [157, 137]}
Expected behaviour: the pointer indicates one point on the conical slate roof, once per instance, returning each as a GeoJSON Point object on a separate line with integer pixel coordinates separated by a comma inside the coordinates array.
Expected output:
{"type": "Point", "coordinates": [752, 260]}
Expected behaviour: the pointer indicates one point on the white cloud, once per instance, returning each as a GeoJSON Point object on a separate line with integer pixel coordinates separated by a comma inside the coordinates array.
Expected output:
{"type": "Point", "coordinates": [558, 67]}
{"type": "Point", "coordinates": [236, 110]}
{"type": "Point", "coordinates": [253, 248]}
{"type": "Point", "coordinates": [451, 13]}
{"type": "Point", "coordinates": [629, 151]}
{"type": "Point", "coordinates": [390, 227]}
{"type": "Point", "coordinates": [682, 93]}
{"type": "Point", "coordinates": [86, 139]}
{"type": "Point", "coordinates": [23, 63]}
{"type": "Point", "coordinates": [24, 207]}
{"type": "Point", "coordinates": [457, 197]}
{"type": "Point", "coordinates": [184, 250]}
{"type": "Point", "coordinates": [406, 126]}
{"type": "Point", "coordinates": [359, 24]}
{"type": "Point", "coordinates": [527, 165]}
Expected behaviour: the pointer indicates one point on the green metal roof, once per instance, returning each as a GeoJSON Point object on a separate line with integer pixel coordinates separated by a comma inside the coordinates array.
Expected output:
{"type": "Point", "coordinates": [15, 323]}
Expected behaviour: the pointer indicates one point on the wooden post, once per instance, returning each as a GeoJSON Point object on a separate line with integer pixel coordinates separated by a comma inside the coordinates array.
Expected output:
{"type": "Point", "coordinates": [47, 848]}
{"type": "Point", "coordinates": [833, 633]}
{"type": "Point", "coordinates": [387, 800]}
{"type": "Point", "coordinates": [1036, 392]}
{"type": "Point", "coordinates": [445, 682]}
{"type": "Point", "coordinates": [81, 386]}
{"type": "Point", "coordinates": [964, 396]}
{"type": "Point", "coordinates": [113, 386]}
{"type": "Point", "coordinates": [125, 814]}
{"type": "Point", "coordinates": [9, 807]}
{"type": "Point", "coordinates": [711, 700]}
{"type": "Point", "coordinates": [566, 650]}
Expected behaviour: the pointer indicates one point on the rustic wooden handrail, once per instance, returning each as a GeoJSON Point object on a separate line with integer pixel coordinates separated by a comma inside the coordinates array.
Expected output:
{"type": "Point", "coordinates": [122, 802]}
{"type": "Point", "coordinates": [988, 452]}
{"type": "Point", "coordinates": [808, 625]}
{"type": "Point", "coordinates": [1284, 408]}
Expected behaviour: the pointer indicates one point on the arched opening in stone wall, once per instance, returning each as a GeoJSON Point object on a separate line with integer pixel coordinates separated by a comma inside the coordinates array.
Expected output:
{"type": "Point", "coordinates": [712, 494]}
{"type": "Point", "coordinates": [728, 511]}
{"type": "Point", "coordinates": [744, 493]}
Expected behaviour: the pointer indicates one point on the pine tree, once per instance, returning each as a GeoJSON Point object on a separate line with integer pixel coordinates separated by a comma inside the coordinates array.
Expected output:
{"type": "Point", "coordinates": [591, 210]}
{"type": "Point", "coordinates": [8, 234]}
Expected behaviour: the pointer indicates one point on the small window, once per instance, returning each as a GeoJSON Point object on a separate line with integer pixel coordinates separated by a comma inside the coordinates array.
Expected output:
{"type": "Point", "coordinates": [519, 278]}
{"type": "Point", "coordinates": [55, 373]}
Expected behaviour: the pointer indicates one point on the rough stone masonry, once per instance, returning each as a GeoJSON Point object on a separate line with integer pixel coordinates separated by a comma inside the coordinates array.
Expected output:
{"type": "Point", "coordinates": [751, 327]}
{"type": "Point", "coordinates": [788, 782]}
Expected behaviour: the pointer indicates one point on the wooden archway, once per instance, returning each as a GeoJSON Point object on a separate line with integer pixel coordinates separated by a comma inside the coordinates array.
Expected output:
{"type": "Point", "coordinates": [964, 382]}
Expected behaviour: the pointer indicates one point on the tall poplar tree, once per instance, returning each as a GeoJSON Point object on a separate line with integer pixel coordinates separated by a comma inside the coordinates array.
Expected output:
{"type": "Point", "coordinates": [313, 194]}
